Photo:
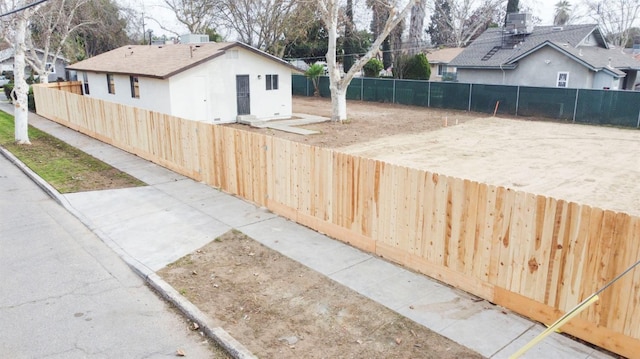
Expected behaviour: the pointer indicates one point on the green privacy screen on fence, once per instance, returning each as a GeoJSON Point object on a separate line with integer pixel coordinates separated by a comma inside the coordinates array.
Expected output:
{"type": "Point", "coordinates": [604, 107]}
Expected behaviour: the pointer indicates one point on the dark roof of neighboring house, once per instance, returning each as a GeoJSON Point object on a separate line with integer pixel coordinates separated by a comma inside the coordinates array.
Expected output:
{"type": "Point", "coordinates": [8, 52]}
{"type": "Point", "coordinates": [489, 51]}
{"type": "Point", "coordinates": [162, 61]}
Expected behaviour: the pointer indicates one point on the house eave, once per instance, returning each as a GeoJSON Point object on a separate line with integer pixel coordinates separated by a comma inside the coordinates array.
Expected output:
{"type": "Point", "coordinates": [476, 67]}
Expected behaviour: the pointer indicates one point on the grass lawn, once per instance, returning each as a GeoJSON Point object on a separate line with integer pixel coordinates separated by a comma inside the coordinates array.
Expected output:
{"type": "Point", "coordinates": [65, 167]}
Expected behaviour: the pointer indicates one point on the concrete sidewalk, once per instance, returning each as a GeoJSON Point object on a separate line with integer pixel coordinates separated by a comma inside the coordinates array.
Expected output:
{"type": "Point", "coordinates": [173, 216]}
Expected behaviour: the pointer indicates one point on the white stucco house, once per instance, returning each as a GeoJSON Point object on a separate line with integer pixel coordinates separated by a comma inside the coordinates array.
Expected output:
{"type": "Point", "coordinates": [211, 82]}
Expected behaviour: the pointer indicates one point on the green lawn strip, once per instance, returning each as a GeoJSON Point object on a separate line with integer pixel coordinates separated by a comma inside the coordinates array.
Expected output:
{"type": "Point", "coordinates": [64, 167]}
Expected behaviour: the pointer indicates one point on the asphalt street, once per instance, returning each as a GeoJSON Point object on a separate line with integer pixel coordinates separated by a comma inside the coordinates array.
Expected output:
{"type": "Point", "coordinates": [65, 294]}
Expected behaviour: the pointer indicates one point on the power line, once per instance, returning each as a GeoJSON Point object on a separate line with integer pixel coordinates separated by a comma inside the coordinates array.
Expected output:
{"type": "Point", "coordinates": [23, 8]}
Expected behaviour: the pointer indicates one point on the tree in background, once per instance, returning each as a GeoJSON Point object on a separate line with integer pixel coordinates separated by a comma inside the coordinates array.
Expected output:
{"type": "Point", "coordinates": [349, 29]}
{"type": "Point", "coordinates": [416, 27]}
{"type": "Point", "coordinates": [311, 46]}
{"type": "Point", "coordinates": [372, 68]}
{"type": "Point", "coordinates": [616, 18]}
{"type": "Point", "coordinates": [456, 22]}
{"type": "Point", "coordinates": [313, 73]}
{"type": "Point", "coordinates": [562, 13]}
{"type": "Point", "coordinates": [513, 6]}
{"type": "Point", "coordinates": [329, 13]}
{"type": "Point", "coordinates": [379, 17]}
{"type": "Point", "coordinates": [440, 30]}
{"type": "Point", "coordinates": [196, 15]}
{"type": "Point", "coordinates": [105, 35]}
{"type": "Point", "coordinates": [52, 25]}
{"type": "Point", "coordinates": [264, 24]}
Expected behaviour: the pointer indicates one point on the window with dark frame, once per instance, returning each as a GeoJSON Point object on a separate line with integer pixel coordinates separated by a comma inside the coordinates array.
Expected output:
{"type": "Point", "coordinates": [85, 82]}
{"type": "Point", "coordinates": [272, 82]}
{"type": "Point", "coordinates": [442, 69]}
{"type": "Point", "coordinates": [135, 86]}
{"type": "Point", "coordinates": [111, 85]}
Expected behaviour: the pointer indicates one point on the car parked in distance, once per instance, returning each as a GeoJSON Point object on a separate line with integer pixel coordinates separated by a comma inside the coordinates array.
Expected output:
{"type": "Point", "coordinates": [3, 81]}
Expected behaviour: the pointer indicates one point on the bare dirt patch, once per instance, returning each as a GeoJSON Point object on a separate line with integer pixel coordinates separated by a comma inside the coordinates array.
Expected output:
{"type": "Point", "coordinates": [366, 121]}
{"type": "Point", "coordinates": [280, 309]}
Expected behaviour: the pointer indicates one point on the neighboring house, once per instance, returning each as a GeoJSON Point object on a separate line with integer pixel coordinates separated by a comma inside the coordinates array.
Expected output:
{"type": "Point", "coordinates": [212, 82]}
{"type": "Point", "coordinates": [573, 56]}
{"type": "Point", "coordinates": [439, 61]}
{"type": "Point", "coordinates": [57, 67]}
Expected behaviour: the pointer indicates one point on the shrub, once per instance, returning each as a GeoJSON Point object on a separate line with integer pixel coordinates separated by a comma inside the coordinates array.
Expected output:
{"type": "Point", "coordinates": [7, 90]}
{"type": "Point", "coordinates": [417, 68]}
{"type": "Point", "coordinates": [31, 102]}
{"type": "Point", "coordinates": [373, 68]}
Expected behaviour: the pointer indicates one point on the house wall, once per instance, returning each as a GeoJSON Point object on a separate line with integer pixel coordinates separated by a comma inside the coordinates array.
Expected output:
{"type": "Point", "coordinates": [539, 69]}
{"type": "Point", "coordinates": [206, 92]}
{"type": "Point", "coordinates": [154, 93]}
{"type": "Point", "coordinates": [602, 81]}
{"type": "Point", "coordinates": [219, 77]}
{"type": "Point", "coordinates": [60, 66]}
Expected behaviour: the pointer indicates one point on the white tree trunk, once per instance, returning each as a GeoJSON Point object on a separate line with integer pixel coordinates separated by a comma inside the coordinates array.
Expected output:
{"type": "Point", "coordinates": [329, 12]}
{"type": "Point", "coordinates": [21, 89]}
{"type": "Point", "coordinates": [339, 104]}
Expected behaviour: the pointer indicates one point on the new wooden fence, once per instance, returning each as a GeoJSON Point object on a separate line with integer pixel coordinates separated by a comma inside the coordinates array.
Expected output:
{"type": "Point", "coordinates": [535, 255]}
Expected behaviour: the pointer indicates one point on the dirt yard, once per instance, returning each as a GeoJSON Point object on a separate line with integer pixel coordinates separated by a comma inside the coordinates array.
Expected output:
{"type": "Point", "coordinates": [279, 308]}
{"type": "Point", "coordinates": [591, 165]}
{"type": "Point", "coordinates": [366, 121]}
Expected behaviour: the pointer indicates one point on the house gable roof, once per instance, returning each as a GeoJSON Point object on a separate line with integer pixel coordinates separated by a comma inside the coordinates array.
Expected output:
{"type": "Point", "coordinates": [162, 61]}
{"type": "Point", "coordinates": [9, 53]}
{"type": "Point", "coordinates": [488, 52]}
{"type": "Point", "coordinates": [444, 55]}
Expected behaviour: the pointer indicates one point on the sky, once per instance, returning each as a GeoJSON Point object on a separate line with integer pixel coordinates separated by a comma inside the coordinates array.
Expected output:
{"type": "Point", "coordinates": [156, 9]}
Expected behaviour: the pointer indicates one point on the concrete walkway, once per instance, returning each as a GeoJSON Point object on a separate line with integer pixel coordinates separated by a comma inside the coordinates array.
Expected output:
{"type": "Point", "coordinates": [174, 215]}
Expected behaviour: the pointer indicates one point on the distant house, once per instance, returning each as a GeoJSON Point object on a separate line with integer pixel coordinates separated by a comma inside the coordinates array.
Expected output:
{"type": "Point", "coordinates": [573, 56]}
{"type": "Point", "coordinates": [57, 66]}
{"type": "Point", "coordinates": [439, 60]}
{"type": "Point", "coordinates": [211, 82]}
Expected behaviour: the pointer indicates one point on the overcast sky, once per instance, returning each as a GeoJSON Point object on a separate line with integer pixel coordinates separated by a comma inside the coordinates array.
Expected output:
{"type": "Point", "coordinates": [155, 8]}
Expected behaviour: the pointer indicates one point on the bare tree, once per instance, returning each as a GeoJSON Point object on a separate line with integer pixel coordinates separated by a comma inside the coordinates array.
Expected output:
{"type": "Point", "coordinates": [330, 15]}
{"type": "Point", "coordinates": [416, 26]}
{"type": "Point", "coordinates": [265, 24]}
{"type": "Point", "coordinates": [196, 15]}
{"type": "Point", "coordinates": [615, 17]}
{"type": "Point", "coordinates": [458, 15]}
{"type": "Point", "coordinates": [51, 27]}
{"type": "Point", "coordinates": [14, 29]}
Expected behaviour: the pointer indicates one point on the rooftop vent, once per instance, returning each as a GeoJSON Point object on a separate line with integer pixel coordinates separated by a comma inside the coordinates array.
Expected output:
{"type": "Point", "coordinates": [556, 28]}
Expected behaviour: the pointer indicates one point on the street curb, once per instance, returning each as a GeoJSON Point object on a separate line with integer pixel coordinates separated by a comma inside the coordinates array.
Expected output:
{"type": "Point", "coordinates": [166, 291]}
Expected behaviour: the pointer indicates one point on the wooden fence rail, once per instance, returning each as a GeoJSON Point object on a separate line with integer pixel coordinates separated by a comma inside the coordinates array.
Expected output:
{"type": "Point", "coordinates": [535, 255]}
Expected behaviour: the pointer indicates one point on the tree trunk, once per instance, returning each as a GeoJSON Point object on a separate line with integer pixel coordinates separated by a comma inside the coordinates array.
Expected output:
{"type": "Point", "coordinates": [339, 104]}
{"type": "Point", "coordinates": [416, 27]}
{"type": "Point", "coordinates": [21, 89]}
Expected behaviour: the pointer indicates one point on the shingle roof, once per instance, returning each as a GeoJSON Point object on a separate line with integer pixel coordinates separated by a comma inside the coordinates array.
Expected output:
{"type": "Point", "coordinates": [568, 40]}
{"type": "Point", "coordinates": [443, 56]}
{"type": "Point", "coordinates": [161, 61]}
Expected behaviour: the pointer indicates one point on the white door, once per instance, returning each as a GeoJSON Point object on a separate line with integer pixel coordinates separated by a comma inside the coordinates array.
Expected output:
{"type": "Point", "coordinates": [201, 106]}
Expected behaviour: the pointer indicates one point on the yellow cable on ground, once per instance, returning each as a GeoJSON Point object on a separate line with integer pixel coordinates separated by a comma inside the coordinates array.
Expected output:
{"type": "Point", "coordinates": [570, 314]}
{"type": "Point", "coordinates": [556, 325]}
